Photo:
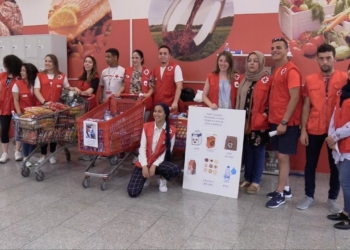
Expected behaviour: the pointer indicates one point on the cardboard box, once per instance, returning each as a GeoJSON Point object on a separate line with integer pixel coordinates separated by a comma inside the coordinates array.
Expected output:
{"type": "Point", "coordinates": [294, 24]}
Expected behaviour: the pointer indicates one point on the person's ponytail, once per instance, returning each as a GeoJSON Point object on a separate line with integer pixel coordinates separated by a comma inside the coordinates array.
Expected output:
{"type": "Point", "coordinates": [167, 140]}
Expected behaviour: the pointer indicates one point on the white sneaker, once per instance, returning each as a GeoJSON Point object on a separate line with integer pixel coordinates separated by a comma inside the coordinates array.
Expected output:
{"type": "Point", "coordinates": [162, 186]}
{"type": "Point", "coordinates": [41, 159]}
{"type": "Point", "coordinates": [146, 183]}
{"type": "Point", "coordinates": [28, 164]}
{"type": "Point", "coordinates": [18, 156]}
{"type": "Point", "coordinates": [53, 160]}
{"type": "Point", "coordinates": [4, 158]}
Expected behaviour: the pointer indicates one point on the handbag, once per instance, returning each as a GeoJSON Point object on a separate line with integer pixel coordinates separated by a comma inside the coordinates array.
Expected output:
{"type": "Point", "coordinates": [247, 128]}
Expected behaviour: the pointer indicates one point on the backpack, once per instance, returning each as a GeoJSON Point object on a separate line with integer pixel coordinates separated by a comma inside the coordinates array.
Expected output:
{"type": "Point", "coordinates": [187, 95]}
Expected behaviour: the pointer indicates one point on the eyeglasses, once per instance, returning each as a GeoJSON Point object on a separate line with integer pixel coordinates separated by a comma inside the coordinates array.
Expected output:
{"type": "Point", "coordinates": [280, 39]}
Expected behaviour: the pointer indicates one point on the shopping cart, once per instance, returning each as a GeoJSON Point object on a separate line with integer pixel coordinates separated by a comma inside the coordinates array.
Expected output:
{"type": "Point", "coordinates": [59, 127]}
{"type": "Point", "coordinates": [120, 134]}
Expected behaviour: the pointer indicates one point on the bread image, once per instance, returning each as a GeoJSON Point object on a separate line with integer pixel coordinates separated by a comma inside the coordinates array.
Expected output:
{"type": "Point", "coordinates": [85, 23]}
{"type": "Point", "coordinates": [210, 141]}
{"type": "Point", "coordinates": [11, 17]}
{"type": "Point", "coordinates": [191, 169]}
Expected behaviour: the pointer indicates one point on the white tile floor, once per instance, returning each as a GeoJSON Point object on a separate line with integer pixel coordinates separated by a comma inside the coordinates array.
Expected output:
{"type": "Point", "coordinates": [59, 213]}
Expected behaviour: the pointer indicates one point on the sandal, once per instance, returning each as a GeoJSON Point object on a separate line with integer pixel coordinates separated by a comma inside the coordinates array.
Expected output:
{"type": "Point", "coordinates": [253, 188]}
{"type": "Point", "coordinates": [243, 185]}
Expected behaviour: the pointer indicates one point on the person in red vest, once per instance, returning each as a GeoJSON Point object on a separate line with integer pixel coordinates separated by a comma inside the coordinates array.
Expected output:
{"type": "Point", "coordinates": [220, 88]}
{"type": "Point", "coordinates": [89, 80]}
{"type": "Point", "coordinates": [139, 80]}
{"type": "Point", "coordinates": [253, 96]}
{"type": "Point", "coordinates": [48, 88]}
{"type": "Point", "coordinates": [320, 95]}
{"type": "Point", "coordinates": [167, 80]}
{"type": "Point", "coordinates": [12, 65]}
{"type": "Point", "coordinates": [339, 141]}
{"type": "Point", "coordinates": [157, 142]}
{"type": "Point", "coordinates": [23, 97]}
{"type": "Point", "coordinates": [284, 116]}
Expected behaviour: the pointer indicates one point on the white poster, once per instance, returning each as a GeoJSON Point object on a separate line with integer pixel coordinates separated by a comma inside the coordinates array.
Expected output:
{"type": "Point", "coordinates": [90, 134]}
{"type": "Point", "coordinates": [214, 148]}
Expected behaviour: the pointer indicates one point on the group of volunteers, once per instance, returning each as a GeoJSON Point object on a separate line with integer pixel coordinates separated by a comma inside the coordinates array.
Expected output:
{"type": "Point", "coordinates": [316, 111]}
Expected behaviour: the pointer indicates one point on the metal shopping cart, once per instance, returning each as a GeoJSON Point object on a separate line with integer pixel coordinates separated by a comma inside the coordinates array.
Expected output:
{"type": "Point", "coordinates": [59, 127]}
{"type": "Point", "coordinates": [120, 134]}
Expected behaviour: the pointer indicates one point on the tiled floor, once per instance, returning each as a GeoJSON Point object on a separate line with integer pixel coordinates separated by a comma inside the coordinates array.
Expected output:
{"type": "Point", "coordinates": [59, 213]}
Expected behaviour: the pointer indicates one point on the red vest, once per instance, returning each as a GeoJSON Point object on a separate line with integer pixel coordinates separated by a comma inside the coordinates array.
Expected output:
{"type": "Point", "coordinates": [165, 87]}
{"type": "Point", "coordinates": [260, 103]}
{"type": "Point", "coordinates": [160, 148]}
{"type": "Point", "coordinates": [213, 94]}
{"type": "Point", "coordinates": [83, 86]}
{"type": "Point", "coordinates": [321, 108]}
{"type": "Point", "coordinates": [341, 117]}
{"type": "Point", "coordinates": [279, 97]}
{"type": "Point", "coordinates": [50, 92]}
{"type": "Point", "coordinates": [26, 97]}
{"type": "Point", "coordinates": [145, 80]}
{"type": "Point", "coordinates": [7, 104]}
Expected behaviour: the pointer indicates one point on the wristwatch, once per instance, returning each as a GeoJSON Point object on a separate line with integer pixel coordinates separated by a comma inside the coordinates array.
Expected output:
{"type": "Point", "coordinates": [284, 123]}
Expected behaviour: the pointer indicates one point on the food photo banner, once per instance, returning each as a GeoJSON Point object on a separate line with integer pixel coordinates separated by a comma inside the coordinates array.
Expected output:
{"type": "Point", "coordinates": [196, 30]}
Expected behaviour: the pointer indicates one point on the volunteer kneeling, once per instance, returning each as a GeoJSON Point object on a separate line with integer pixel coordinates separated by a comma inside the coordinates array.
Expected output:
{"type": "Point", "coordinates": [157, 142]}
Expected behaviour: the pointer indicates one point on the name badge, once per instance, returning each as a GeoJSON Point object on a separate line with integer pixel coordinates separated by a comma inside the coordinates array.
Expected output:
{"type": "Point", "coordinates": [24, 95]}
{"type": "Point", "coordinates": [59, 86]}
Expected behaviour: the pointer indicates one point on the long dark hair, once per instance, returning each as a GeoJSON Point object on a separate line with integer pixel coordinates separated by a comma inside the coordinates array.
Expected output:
{"type": "Point", "coordinates": [31, 72]}
{"type": "Point", "coordinates": [345, 91]}
{"type": "Point", "coordinates": [13, 65]}
{"type": "Point", "coordinates": [93, 73]}
{"type": "Point", "coordinates": [167, 131]}
{"type": "Point", "coordinates": [140, 53]}
{"type": "Point", "coordinates": [54, 60]}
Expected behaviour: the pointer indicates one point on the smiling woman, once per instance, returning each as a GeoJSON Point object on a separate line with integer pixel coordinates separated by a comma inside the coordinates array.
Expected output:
{"type": "Point", "coordinates": [220, 89]}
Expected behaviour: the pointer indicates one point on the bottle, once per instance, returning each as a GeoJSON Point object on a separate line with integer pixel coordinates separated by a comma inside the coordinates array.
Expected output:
{"type": "Point", "coordinates": [74, 103]}
{"type": "Point", "coordinates": [227, 174]}
{"type": "Point", "coordinates": [107, 115]}
{"type": "Point", "coordinates": [227, 47]}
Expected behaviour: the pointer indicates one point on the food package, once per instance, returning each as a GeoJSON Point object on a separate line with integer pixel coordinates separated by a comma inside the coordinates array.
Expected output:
{"type": "Point", "coordinates": [191, 168]}
{"type": "Point", "coordinates": [211, 141]}
{"type": "Point", "coordinates": [39, 111]}
{"type": "Point", "coordinates": [231, 143]}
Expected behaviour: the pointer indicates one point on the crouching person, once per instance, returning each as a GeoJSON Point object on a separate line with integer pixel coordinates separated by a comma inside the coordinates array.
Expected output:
{"type": "Point", "coordinates": [157, 142]}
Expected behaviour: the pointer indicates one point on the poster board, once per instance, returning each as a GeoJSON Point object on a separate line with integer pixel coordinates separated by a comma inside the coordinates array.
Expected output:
{"type": "Point", "coordinates": [214, 148]}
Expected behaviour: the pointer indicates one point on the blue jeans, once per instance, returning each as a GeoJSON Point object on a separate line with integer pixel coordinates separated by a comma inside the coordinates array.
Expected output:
{"type": "Point", "coordinates": [254, 157]}
{"type": "Point", "coordinates": [344, 179]}
{"type": "Point", "coordinates": [27, 149]}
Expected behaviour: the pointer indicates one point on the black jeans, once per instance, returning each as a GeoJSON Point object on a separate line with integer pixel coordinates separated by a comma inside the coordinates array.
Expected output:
{"type": "Point", "coordinates": [312, 155]}
{"type": "Point", "coordinates": [52, 148]}
{"type": "Point", "coordinates": [5, 122]}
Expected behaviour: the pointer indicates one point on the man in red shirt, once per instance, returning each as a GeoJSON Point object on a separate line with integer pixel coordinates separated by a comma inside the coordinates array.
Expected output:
{"type": "Point", "coordinates": [284, 116]}
{"type": "Point", "coordinates": [321, 91]}
{"type": "Point", "coordinates": [167, 80]}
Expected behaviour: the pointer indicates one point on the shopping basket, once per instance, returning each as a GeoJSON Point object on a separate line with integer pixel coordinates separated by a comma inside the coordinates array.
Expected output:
{"type": "Point", "coordinates": [122, 133]}
{"type": "Point", "coordinates": [59, 127]}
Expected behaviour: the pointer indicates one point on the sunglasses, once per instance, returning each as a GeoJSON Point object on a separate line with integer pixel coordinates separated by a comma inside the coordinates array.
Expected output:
{"type": "Point", "coordinates": [280, 39]}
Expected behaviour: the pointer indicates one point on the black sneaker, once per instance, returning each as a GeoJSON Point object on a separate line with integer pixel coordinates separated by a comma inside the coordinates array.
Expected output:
{"type": "Point", "coordinates": [276, 201]}
{"type": "Point", "coordinates": [337, 217]}
{"type": "Point", "coordinates": [286, 194]}
{"type": "Point", "coordinates": [344, 225]}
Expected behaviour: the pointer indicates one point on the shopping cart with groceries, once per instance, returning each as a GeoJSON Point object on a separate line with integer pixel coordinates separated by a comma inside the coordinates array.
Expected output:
{"type": "Point", "coordinates": [112, 130]}
{"type": "Point", "coordinates": [54, 122]}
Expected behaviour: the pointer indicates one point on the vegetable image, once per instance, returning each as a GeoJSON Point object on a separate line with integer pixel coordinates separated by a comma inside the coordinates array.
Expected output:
{"type": "Point", "coordinates": [342, 52]}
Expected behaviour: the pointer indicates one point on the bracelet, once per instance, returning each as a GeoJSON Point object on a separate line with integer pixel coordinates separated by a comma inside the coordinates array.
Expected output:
{"type": "Point", "coordinates": [44, 102]}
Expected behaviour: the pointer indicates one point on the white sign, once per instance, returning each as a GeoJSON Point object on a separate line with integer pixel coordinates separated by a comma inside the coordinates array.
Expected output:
{"type": "Point", "coordinates": [91, 134]}
{"type": "Point", "coordinates": [214, 148]}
